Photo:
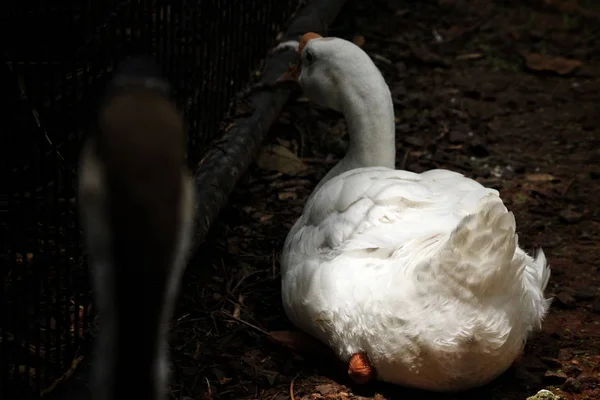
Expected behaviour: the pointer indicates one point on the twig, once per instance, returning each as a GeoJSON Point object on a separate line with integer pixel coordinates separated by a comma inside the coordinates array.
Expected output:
{"type": "Point", "coordinates": [64, 377]}
{"type": "Point", "coordinates": [243, 278]}
{"type": "Point", "coordinates": [209, 389]}
{"type": "Point", "coordinates": [567, 187]}
{"type": "Point", "coordinates": [292, 397]}
{"type": "Point", "coordinates": [245, 323]}
{"type": "Point", "coordinates": [443, 133]}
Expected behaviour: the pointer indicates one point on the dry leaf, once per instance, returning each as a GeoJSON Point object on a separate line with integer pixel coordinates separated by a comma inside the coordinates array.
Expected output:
{"type": "Point", "coordinates": [287, 195]}
{"type": "Point", "coordinates": [358, 40]}
{"type": "Point", "coordinates": [265, 217]}
{"type": "Point", "coordinates": [224, 380]}
{"type": "Point", "coordinates": [540, 177]}
{"type": "Point", "coordinates": [233, 245]}
{"type": "Point", "coordinates": [238, 307]}
{"type": "Point", "coordinates": [327, 389]}
{"type": "Point", "coordinates": [290, 144]}
{"type": "Point", "coordinates": [469, 56]}
{"type": "Point", "coordinates": [520, 198]}
{"type": "Point", "coordinates": [543, 62]}
{"type": "Point", "coordinates": [281, 159]}
{"type": "Point", "coordinates": [379, 57]}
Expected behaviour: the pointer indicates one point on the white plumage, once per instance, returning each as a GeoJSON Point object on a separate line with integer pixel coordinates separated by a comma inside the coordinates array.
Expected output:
{"type": "Point", "coordinates": [422, 272]}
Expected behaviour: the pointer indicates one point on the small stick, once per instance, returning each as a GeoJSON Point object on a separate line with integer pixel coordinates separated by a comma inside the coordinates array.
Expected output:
{"type": "Point", "coordinates": [567, 187]}
{"type": "Point", "coordinates": [292, 397]}
{"type": "Point", "coordinates": [64, 377]}
{"type": "Point", "coordinates": [245, 323]}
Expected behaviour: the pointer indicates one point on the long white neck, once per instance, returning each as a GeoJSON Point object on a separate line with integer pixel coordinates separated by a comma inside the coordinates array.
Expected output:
{"type": "Point", "coordinates": [369, 112]}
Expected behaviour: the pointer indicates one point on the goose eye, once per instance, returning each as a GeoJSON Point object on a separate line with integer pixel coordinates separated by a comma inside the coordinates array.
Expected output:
{"type": "Point", "coordinates": [309, 56]}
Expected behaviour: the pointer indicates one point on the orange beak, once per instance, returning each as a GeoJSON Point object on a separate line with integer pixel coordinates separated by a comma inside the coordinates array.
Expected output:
{"type": "Point", "coordinates": [291, 75]}
{"type": "Point", "coordinates": [294, 72]}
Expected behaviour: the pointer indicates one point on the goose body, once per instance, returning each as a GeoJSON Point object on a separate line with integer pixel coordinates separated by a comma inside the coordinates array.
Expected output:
{"type": "Point", "coordinates": [136, 203]}
{"type": "Point", "coordinates": [414, 279]}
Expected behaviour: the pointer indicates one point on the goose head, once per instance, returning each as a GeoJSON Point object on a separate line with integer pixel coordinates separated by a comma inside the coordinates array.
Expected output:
{"type": "Point", "coordinates": [339, 75]}
{"type": "Point", "coordinates": [136, 203]}
{"type": "Point", "coordinates": [331, 68]}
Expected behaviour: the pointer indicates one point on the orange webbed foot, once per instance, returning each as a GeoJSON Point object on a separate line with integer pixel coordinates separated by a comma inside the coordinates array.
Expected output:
{"type": "Point", "coordinates": [360, 369]}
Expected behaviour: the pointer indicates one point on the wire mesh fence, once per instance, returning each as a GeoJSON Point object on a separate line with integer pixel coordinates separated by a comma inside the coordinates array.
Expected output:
{"type": "Point", "coordinates": [57, 59]}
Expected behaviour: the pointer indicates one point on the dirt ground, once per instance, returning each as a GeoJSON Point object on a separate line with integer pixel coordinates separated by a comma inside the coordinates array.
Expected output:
{"type": "Point", "coordinates": [506, 92]}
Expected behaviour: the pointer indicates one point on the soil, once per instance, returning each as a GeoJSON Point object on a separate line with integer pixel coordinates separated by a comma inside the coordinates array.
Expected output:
{"type": "Point", "coordinates": [506, 92]}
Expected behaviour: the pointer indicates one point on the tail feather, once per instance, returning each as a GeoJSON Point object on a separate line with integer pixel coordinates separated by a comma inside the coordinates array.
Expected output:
{"type": "Point", "coordinates": [482, 247]}
{"type": "Point", "coordinates": [542, 270]}
{"type": "Point", "coordinates": [536, 277]}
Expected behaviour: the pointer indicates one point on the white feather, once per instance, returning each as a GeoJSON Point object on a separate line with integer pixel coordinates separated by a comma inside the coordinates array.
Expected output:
{"type": "Point", "coordinates": [421, 271]}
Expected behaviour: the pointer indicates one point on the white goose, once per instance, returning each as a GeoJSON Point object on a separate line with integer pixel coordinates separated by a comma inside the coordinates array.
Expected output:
{"type": "Point", "coordinates": [136, 203]}
{"type": "Point", "coordinates": [414, 279]}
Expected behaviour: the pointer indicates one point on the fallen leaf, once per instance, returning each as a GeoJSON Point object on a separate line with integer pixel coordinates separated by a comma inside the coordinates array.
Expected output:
{"type": "Point", "coordinates": [238, 307]}
{"type": "Point", "coordinates": [570, 215]}
{"type": "Point", "coordinates": [358, 40]}
{"type": "Point", "coordinates": [426, 56]}
{"type": "Point", "coordinates": [470, 56]}
{"type": "Point", "coordinates": [326, 389]}
{"type": "Point", "coordinates": [270, 375]}
{"type": "Point", "coordinates": [551, 361]}
{"type": "Point", "coordinates": [379, 57]}
{"type": "Point", "coordinates": [287, 195]}
{"type": "Point", "coordinates": [454, 31]}
{"type": "Point", "coordinates": [281, 159]}
{"type": "Point", "coordinates": [555, 377]}
{"type": "Point", "coordinates": [233, 245]}
{"type": "Point", "coordinates": [540, 177]}
{"type": "Point", "coordinates": [566, 353]}
{"type": "Point", "coordinates": [290, 144]}
{"type": "Point", "coordinates": [265, 217]}
{"type": "Point", "coordinates": [520, 198]}
{"type": "Point", "coordinates": [546, 63]}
